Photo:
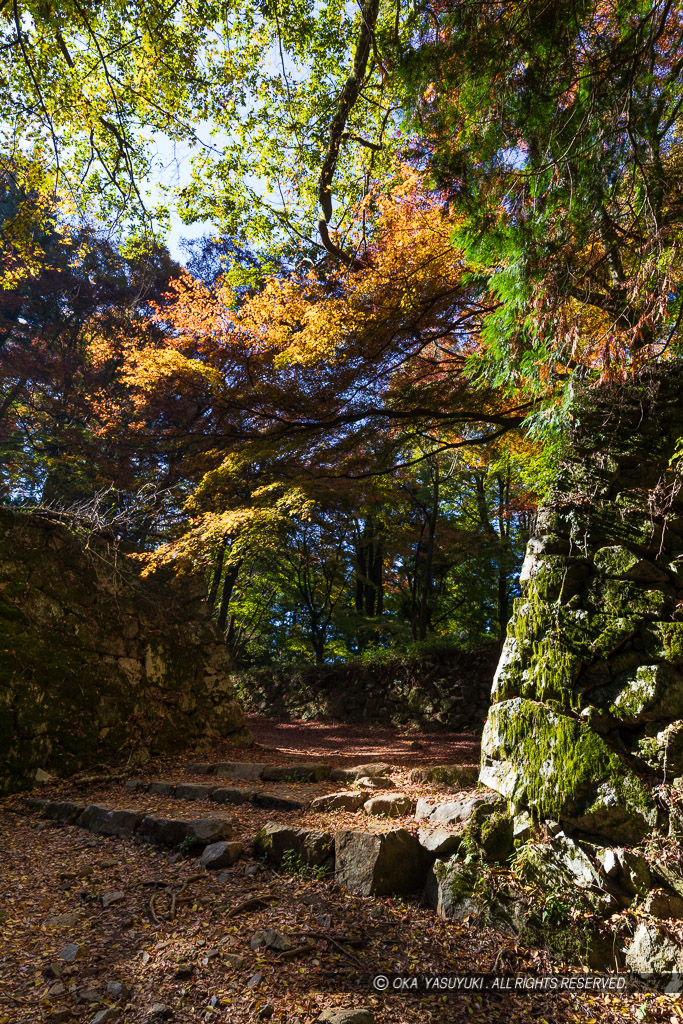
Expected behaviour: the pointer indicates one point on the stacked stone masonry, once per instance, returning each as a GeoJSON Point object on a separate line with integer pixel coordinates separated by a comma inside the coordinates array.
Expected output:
{"type": "Point", "coordinates": [97, 663]}
{"type": "Point", "coordinates": [587, 700]}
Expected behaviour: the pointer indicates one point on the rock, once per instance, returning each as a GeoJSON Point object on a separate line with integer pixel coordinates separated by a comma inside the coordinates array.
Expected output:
{"type": "Point", "coordinates": [562, 864]}
{"type": "Point", "coordinates": [390, 805]}
{"type": "Point", "coordinates": [108, 822]}
{"type": "Point", "coordinates": [200, 768]}
{"type": "Point", "coordinates": [380, 863]}
{"type": "Point", "coordinates": [266, 1012]}
{"type": "Point", "coordinates": [137, 785]}
{"type": "Point", "coordinates": [107, 1016]}
{"type": "Point", "coordinates": [160, 788]}
{"type": "Point", "coordinates": [184, 972]}
{"type": "Point", "coordinates": [634, 874]}
{"type": "Point", "coordinates": [254, 980]}
{"type": "Point", "coordinates": [370, 782]}
{"type": "Point", "coordinates": [311, 845]}
{"type": "Point", "coordinates": [112, 897]}
{"type": "Point", "coordinates": [65, 812]}
{"type": "Point", "coordinates": [88, 995]}
{"type": "Point", "coordinates": [439, 841]}
{"type": "Point", "coordinates": [664, 905]}
{"type": "Point", "coordinates": [119, 990]}
{"type": "Point", "coordinates": [63, 920]}
{"type": "Point", "coordinates": [355, 1016]}
{"type": "Point", "coordinates": [234, 961]}
{"type": "Point", "coordinates": [270, 939]}
{"type": "Point", "coordinates": [173, 831]}
{"type": "Point", "coordinates": [41, 777]}
{"type": "Point", "coordinates": [536, 757]}
{"type": "Point", "coordinates": [190, 791]}
{"type": "Point", "coordinates": [233, 796]}
{"type": "Point", "coordinates": [620, 563]}
{"type": "Point", "coordinates": [648, 693]}
{"type": "Point", "coordinates": [652, 952]}
{"type": "Point", "coordinates": [345, 801]}
{"type": "Point", "coordinates": [221, 855]}
{"type": "Point", "coordinates": [359, 772]}
{"type": "Point", "coordinates": [72, 952]}
{"type": "Point", "coordinates": [522, 827]}
{"type": "Point", "coordinates": [296, 773]}
{"type": "Point", "coordinates": [238, 770]}
{"type": "Point", "coordinates": [159, 1011]}
{"type": "Point", "coordinates": [453, 813]}
{"type": "Point", "coordinates": [60, 1015]}
{"type": "Point", "coordinates": [452, 775]}
{"type": "Point", "coordinates": [276, 802]}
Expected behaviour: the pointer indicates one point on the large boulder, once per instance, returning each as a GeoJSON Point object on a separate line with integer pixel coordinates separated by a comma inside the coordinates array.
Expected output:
{"type": "Point", "coordinates": [379, 863]}
{"type": "Point", "coordinates": [562, 769]}
{"type": "Point", "coordinates": [307, 846]}
{"type": "Point", "coordinates": [655, 955]}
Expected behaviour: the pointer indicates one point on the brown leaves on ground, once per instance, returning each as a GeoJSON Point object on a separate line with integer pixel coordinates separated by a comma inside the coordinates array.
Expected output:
{"type": "Point", "coordinates": [246, 944]}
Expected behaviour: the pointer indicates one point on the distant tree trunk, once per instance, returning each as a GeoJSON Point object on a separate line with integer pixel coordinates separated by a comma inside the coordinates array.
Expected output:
{"type": "Point", "coordinates": [229, 581]}
{"type": "Point", "coordinates": [429, 558]}
{"type": "Point", "coordinates": [217, 572]}
{"type": "Point", "coordinates": [369, 569]}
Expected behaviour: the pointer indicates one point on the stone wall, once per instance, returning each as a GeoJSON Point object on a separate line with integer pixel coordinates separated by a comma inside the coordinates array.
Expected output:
{"type": "Point", "coordinates": [587, 702]}
{"type": "Point", "coordinates": [440, 688]}
{"type": "Point", "coordinates": [97, 663]}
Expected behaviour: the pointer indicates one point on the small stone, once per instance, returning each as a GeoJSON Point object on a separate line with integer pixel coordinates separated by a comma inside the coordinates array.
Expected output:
{"type": "Point", "coordinates": [63, 920]}
{"type": "Point", "coordinates": [112, 897]}
{"type": "Point", "coordinates": [60, 1014]}
{"type": "Point", "coordinates": [234, 961]}
{"type": "Point", "coordinates": [84, 871]}
{"type": "Point", "coordinates": [161, 788]}
{"type": "Point", "coordinates": [266, 1012]}
{"type": "Point", "coordinates": [185, 971]}
{"type": "Point", "coordinates": [159, 1011]}
{"type": "Point", "coordinates": [107, 1016]}
{"type": "Point", "coordinates": [254, 980]}
{"type": "Point", "coordinates": [42, 777]}
{"type": "Point", "coordinates": [109, 862]}
{"type": "Point", "coordinates": [56, 969]}
{"type": "Point", "coordinates": [136, 785]}
{"type": "Point", "coordinates": [72, 952]}
{"type": "Point", "coordinates": [200, 768]}
{"type": "Point", "coordinates": [88, 995]}
{"type": "Point", "coordinates": [251, 870]}
{"type": "Point", "coordinates": [352, 1016]}
{"type": "Point", "coordinates": [56, 990]}
{"type": "Point", "coordinates": [119, 990]}
{"type": "Point", "coordinates": [360, 771]}
{"type": "Point", "coordinates": [221, 855]}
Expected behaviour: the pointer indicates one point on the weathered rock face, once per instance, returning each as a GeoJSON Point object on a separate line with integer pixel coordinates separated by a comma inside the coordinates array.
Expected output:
{"type": "Point", "coordinates": [587, 701]}
{"type": "Point", "coordinates": [97, 662]}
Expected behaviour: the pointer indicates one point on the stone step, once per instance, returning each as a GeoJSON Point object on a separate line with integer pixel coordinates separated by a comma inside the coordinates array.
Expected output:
{"type": "Point", "coordinates": [219, 794]}
{"type": "Point", "coordinates": [248, 771]}
{"type": "Point", "coordinates": [196, 833]}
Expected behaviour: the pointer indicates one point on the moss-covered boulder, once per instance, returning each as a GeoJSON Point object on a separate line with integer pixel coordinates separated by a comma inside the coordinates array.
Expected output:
{"type": "Point", "coordinates": [562, 769]}
{"type": "Point", "coordinates": [97, 663]}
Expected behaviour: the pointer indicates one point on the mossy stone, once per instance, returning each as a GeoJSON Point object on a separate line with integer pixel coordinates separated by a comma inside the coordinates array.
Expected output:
{"type": "Point", "coordinates": [560, 768]}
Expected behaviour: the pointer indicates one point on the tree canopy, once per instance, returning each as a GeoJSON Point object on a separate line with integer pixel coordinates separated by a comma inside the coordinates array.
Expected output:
{"type": "Point", "coordinates": [431, 223]}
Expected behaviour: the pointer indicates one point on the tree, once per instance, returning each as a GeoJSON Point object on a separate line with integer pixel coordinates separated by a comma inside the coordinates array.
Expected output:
{"type": "Point", "coordinates": [556, 130]}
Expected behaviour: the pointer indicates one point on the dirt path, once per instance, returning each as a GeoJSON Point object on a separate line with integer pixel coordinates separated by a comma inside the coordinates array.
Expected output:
{"type": "Point", "coordinates": [364, 741]}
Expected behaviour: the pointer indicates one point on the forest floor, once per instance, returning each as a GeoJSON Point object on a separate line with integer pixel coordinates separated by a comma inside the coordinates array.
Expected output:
{"type": "Point", "coordinates": [179, 940]}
